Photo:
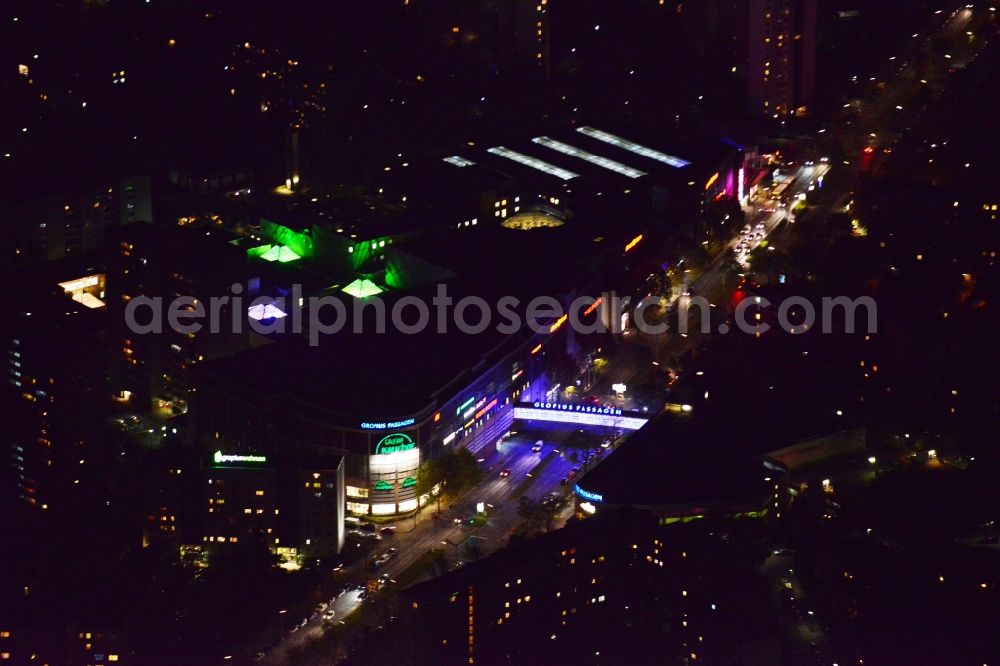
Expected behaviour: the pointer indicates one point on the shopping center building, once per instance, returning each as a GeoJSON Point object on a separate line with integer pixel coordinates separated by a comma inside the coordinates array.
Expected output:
{"type": "Point", "coordinates": [551, 216]}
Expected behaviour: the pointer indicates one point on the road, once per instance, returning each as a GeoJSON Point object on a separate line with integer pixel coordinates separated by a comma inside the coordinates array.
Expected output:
{"type": "Point", "coordinates": [414, 540]}
{"type": "Point", "coordinates": [315, 626]}
{"type": "Point", "coordinates": [514, 454]}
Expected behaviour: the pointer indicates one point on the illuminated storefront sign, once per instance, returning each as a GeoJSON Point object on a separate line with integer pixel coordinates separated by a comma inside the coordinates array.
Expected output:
{"type": "Point", "coordinates": [383, 485]}
{"type": "Point", "coordinates": [587, 495]}
{"type": "Point", "coordinates": [219, 457]}
{"type": "Point", "coordinates": [565, 407]}
{"type": "Point", "coordinates": [386, 425]}
{"type": "Point", "coordinates": [394, 444]}
{"type": "Point", "coordinates": [466, 404]}
{"type": "Point", "coordinates": [482, 412]}
{"type": "Point", "coordinates": [594, 416]}
{"type": "Point", "coordinates": [409, 482]}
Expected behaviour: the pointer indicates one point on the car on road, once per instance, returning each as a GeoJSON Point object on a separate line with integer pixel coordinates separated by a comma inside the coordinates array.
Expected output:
{"type": "Point", "coordinates": [505, 473]}
{"type": "Point", "coordinates": [563, 481]}
{"type": "Point", "coordinates": [458, 520]}
{"type": "Point", "coordinates": [329, 615]}
{"type": "Point", "coordinates": [384, 578]}
{"type": "Point", "coordinates": [537, 448]}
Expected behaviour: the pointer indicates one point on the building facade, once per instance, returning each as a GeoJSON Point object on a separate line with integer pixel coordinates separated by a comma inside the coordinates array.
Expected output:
{"type": "Point", "coordinates": [781, 56]}
{"type": "Point", "coordinates": [292, 506]}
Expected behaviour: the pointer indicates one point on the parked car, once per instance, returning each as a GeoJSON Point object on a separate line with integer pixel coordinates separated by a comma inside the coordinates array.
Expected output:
{"type": "Point", "coordinates": [505, 473]}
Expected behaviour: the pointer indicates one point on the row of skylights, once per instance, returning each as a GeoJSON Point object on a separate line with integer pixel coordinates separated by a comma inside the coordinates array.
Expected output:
{"type": "Point", "coordinates": [533, 162]}
{"type": "Point", "coordinates": [573, 151]}
{"type": "Point", "coordinates": [458, 161]}
{"type": "Point", "coordinates": [633, 147]}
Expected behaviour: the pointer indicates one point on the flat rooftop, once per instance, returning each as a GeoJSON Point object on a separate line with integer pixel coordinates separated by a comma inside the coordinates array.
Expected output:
{"type": "Point", "coordinates": [582, 159]}
{"type": "Point", "coordinates": [381, 375]}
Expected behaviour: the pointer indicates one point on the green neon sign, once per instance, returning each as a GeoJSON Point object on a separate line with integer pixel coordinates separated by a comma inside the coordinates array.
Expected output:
{"type": "Point", "coordinates": [409, 482]}
{"type": "Point", "coordinates": [394, 443]}
{"type": "Point", "coordinates": [383, 485]}
{"type": "Point", "coordinates": [461, 408]}
{"type": "Point", "coordinates": [219, 457]}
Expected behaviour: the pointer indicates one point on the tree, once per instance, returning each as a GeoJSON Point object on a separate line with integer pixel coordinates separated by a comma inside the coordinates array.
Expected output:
{"type": "Point", "coordinates": [766, 262]}
{"type": "Point", "coordinates": [693, 252]}
{"type": "Point", "coordinates": [729, 261]}
{"type": "Point", "coordinates": [538, 516]}
{"type": "Point", "coordinates": [473, 549]}
{"type": "Point", "coordinates": [578, 439]}
{"type": "Point", "coordinates": [722, 216]}
{"type": "Point", "coordinates": [456, 471]}
{"type": "Point", "coordinates": [560, 366]}
{"type": "Point", "coordinates": [430, 474]}
{"type": "Point", "coordinates": [462, 472]}
{"type": "Point", "coordinates": [439, 561]}
{"type": "Point", "coordinates": [530, 512]}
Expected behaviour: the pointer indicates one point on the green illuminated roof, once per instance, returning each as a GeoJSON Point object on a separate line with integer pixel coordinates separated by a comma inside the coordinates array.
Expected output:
{"type": "Point", "coordinates": [363, 288]}
{"type": "Point", "coordinates": [280, 253]}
